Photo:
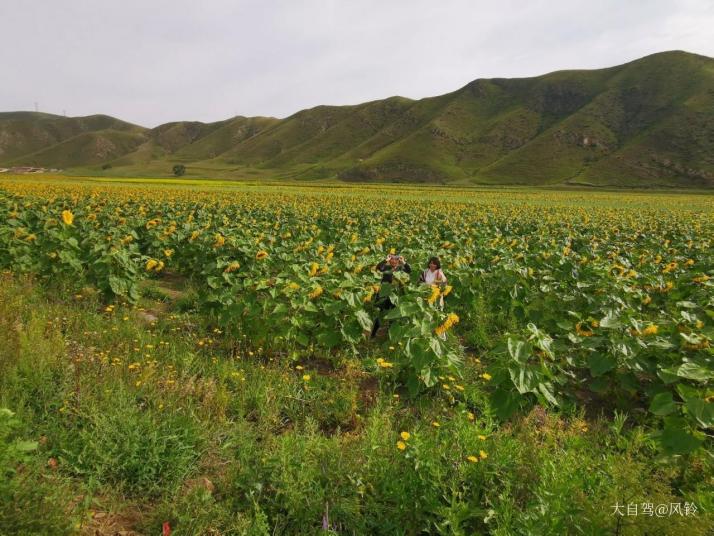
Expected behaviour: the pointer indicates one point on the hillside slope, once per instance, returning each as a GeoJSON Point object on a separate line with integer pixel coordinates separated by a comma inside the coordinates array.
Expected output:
{"type": "Point", "coordinates": [649, 122]}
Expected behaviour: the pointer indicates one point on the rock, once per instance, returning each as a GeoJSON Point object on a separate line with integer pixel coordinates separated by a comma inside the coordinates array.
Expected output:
{"type": "Point", "coordinates": [147, 317]}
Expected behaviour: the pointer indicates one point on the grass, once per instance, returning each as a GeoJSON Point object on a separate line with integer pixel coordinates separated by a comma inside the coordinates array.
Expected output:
{"type": "Point", "coordinates": [138, 424]}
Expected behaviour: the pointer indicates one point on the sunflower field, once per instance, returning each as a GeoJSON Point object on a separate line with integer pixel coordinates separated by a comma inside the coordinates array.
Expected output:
{"type": "Point", "coordinates": [564, 298]}
{"type": "Point", "coordinates": [598, 298]}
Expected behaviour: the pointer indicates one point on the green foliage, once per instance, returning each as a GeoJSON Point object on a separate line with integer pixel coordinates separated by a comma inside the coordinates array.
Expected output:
{"type": "Point", "coordinates": [28, 503]}
{"type": "Point", "coordinates": [592, 302]}
{"type": "Point", "coordinates": [141, 454]}
{"type": "Point", "coordinates": [212, 440]}
{"type": "Point", "coordinates": [12, 452]}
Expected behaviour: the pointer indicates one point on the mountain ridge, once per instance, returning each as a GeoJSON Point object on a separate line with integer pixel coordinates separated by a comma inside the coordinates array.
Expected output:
{"type": "Point", "coordinates": [648, 122]}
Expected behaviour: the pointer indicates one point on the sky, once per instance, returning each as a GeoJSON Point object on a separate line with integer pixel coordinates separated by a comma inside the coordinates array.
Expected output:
{"type": "Point", "coordinates": [154, 61]}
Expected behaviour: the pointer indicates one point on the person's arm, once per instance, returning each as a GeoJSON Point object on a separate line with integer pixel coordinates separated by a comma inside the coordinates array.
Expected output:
{"type": "Point", "coordinates": [443, 277]}
{"type": "Point", "coordinates": [381, 266]}
{"type": "Point", "coordinates": [407, 268]}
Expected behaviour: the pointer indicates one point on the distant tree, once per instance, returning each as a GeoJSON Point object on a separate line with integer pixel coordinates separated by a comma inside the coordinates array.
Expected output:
{"type": "Point", "coordinates": [106, 166]}
{"type": "Point", "coordinates": [179, 169]}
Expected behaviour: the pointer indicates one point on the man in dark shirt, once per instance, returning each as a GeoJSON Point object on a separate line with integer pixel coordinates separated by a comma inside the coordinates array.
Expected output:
{"type": "Point", "coordinates": [393, 263]}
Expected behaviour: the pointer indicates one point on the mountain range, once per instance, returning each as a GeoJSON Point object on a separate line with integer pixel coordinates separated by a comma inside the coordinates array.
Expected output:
{"type": "Point", "coordinates": [647, 123]}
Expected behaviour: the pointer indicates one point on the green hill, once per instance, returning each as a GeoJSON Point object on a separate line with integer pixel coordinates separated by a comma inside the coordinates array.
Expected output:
{"type": "Point", "coordinates": [88, 148]}
{"type": "Point", "coordinates": [646, 123]}
{"type": "Point", "coordinates": [24, 134]}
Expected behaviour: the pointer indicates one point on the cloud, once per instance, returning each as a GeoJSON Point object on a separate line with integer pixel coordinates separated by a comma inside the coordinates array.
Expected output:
{"type": "Point", "coordinates": [156, 61]}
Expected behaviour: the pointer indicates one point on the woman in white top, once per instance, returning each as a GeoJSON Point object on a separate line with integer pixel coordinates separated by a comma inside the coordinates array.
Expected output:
{"type": "Point", "coordinates": [433, 275]}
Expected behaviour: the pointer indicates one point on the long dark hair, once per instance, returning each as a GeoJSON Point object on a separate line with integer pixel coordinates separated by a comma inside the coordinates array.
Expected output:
{"type": "Point", "coordinates": [436, 261]}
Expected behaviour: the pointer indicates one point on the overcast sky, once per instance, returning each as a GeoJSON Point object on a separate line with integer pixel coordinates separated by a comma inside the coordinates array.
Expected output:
{"type": "Point", "coordinates": [154, 61]}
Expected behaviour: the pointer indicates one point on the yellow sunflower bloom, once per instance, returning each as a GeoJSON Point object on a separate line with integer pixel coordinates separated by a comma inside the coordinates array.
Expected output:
{"type": "Point", "coordinates": [67, 217]}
